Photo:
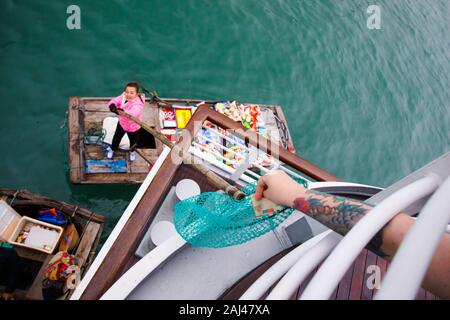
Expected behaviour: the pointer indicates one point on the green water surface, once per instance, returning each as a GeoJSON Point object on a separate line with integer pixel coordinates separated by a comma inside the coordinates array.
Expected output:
{"type": "Point", "coordinates": [369, 106]}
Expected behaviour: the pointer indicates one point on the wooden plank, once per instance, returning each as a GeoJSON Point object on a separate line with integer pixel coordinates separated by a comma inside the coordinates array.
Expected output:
{"type": "Point", "coordinates": [117, 178]}
{"type": "Point", "coordinates": [371, 260]}
{"type": "Point", "coordinates": [87, 242]}
{"type": "Point", "coordinates": [76, 175]}
{"type": "Point", "coordinates": [305, 282]}
{"type": "Point", "coordinates": [382, 264]}
{"type": "Point", "coordinates": [101, 105]}
{"type": "Point", "coordinates": [343, 291]}
{"type": "Point", "coordinates": [358, 276]}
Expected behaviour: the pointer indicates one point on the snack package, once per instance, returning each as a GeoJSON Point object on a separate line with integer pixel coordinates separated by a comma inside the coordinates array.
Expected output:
{"type": "Point", "coordinates": [167, 118]}
{"type": "Point", "coordinates": [265, 207]}
{"type": "Point", "coordinates": [182, 115]}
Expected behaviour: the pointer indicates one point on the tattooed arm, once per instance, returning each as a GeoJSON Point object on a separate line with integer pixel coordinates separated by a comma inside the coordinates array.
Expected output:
{"type": "Point", "coordinates": [341, 214]}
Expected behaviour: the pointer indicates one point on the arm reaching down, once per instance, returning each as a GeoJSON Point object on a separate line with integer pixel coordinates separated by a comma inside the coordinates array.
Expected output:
{"type": "Point", "coordinates": [341, 214]}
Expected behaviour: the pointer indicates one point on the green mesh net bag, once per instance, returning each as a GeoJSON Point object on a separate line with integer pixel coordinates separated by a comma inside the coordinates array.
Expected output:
{"type": "Point", "coordinates": [216, 220]}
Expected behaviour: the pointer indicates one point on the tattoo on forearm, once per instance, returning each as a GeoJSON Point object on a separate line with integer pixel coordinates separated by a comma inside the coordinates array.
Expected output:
{"type": "Point", "coordinates": [337, 213]}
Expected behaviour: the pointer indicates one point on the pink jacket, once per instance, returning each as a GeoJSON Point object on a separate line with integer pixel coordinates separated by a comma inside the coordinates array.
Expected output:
{"type": "Point", "coordinates": [133, 107]}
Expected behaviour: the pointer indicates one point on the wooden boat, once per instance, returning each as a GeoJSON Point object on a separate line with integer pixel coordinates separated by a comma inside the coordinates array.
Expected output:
{"type": "Point", "coordinates": [88, 116]}
{"type": "Point", "coordinates": [132, 264]}
{"type": "Point", "coordinates": [89, 226]}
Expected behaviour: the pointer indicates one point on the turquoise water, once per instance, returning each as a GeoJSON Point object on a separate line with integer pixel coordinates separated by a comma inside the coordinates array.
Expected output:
{"type": "Point", "coordinates": [369, 106]}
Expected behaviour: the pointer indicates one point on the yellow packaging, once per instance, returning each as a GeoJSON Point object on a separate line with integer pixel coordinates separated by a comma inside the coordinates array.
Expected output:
{"type": "Point", "coordinates": [183, 116]}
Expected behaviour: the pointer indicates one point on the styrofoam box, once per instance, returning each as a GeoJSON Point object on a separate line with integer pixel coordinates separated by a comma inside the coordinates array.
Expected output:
{"type": "Point", "coordinates": [35, 235]}
{"type": "Point", "coordinates": [9, 219]}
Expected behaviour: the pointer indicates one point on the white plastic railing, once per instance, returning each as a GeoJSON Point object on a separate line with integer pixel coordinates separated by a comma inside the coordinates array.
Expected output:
{"type": "Point", "coordinates": [411, 261]}
{"type": "Point", "coordinates": [289, 284]}
{"type": "Point", "coordinates": [335, 266]}
{"type": "Point", "coordinates": [138, 272]}
{"type": "Point", "coordinates": [447, 228]}
{"type": "Point", "coordinates": [276, 271]}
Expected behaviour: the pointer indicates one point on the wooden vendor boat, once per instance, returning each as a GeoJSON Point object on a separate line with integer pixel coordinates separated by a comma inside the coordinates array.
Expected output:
{"type": "Point", "coordinates": [92, 126]}
{"type": "Point", "coordinates": [144, 257]}
{"type": "Point", "coordinates": [88, 224]}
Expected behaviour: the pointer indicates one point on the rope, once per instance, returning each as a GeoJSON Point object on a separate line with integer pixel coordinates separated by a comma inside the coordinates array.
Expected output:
{"type": "Point", "coordinates": [65, 119]}
{"type": "Point", "coordinates": [15, 195]}
{"type": "Point", "coordinates": [74, 211]}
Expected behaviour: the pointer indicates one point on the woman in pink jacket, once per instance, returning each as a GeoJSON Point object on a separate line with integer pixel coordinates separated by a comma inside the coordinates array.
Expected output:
{"type": "Point", "coordinates": [132, 102]}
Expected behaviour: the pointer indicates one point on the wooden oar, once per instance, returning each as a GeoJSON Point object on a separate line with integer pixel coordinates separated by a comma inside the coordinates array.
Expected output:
{"type": "Point", "coordinates": [210, 175]}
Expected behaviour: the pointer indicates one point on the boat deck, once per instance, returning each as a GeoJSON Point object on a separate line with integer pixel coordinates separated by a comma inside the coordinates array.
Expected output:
{"type": "Point", "coordinates": [353, 286]}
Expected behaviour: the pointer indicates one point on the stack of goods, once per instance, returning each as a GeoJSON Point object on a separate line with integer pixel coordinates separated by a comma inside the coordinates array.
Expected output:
{"type": "Point", "coordinates": [232, 151]}
{"type": "Point", "coordinates": [168, 123]}
{"type": "Point", "coordinates": [171, 119]}
{"type": "Point", "coordinates": [248, 114]}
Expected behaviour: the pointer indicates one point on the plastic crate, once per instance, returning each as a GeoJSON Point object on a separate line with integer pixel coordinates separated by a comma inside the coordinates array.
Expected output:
{"type": "Point", "coordinates": [40, 234]}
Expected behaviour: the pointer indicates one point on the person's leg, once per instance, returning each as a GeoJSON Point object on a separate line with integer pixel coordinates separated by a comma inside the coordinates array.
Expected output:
{"type": "Point", "coordinates": [134, 138]}
{"type": "Point", "coordinates": [118, 135]}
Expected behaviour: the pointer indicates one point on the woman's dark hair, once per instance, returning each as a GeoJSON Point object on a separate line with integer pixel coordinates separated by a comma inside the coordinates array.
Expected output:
{"type": "Point", "coordinates": [134, 85]}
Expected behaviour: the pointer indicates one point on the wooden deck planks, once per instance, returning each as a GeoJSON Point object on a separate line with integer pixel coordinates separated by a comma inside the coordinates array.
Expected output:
{"type": "Point", "coordinates": [74, 141]}
{"type": "Point", "coordinates": [89, 114]}
{"type": "Point", "coordinates": [382, 264]}
{"type": "Point", "coordinates": [305, 283]}
{"type": "Point", "coordinates": [87, 242]}
{"type": "Point", "coordinates": [343, 290]}
{"type": "Point", "coordinates": [358, 276]}
{"type": "Point", "coordinates": [369, 276]}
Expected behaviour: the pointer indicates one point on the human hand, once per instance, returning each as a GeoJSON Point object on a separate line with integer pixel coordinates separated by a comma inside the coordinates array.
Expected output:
{"type": "Point", "coordinates": [113, 108]}
{"type": "Point", "coordinates": [7, 296]}
{"type": "Point", "coordinates": [278, 187]}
